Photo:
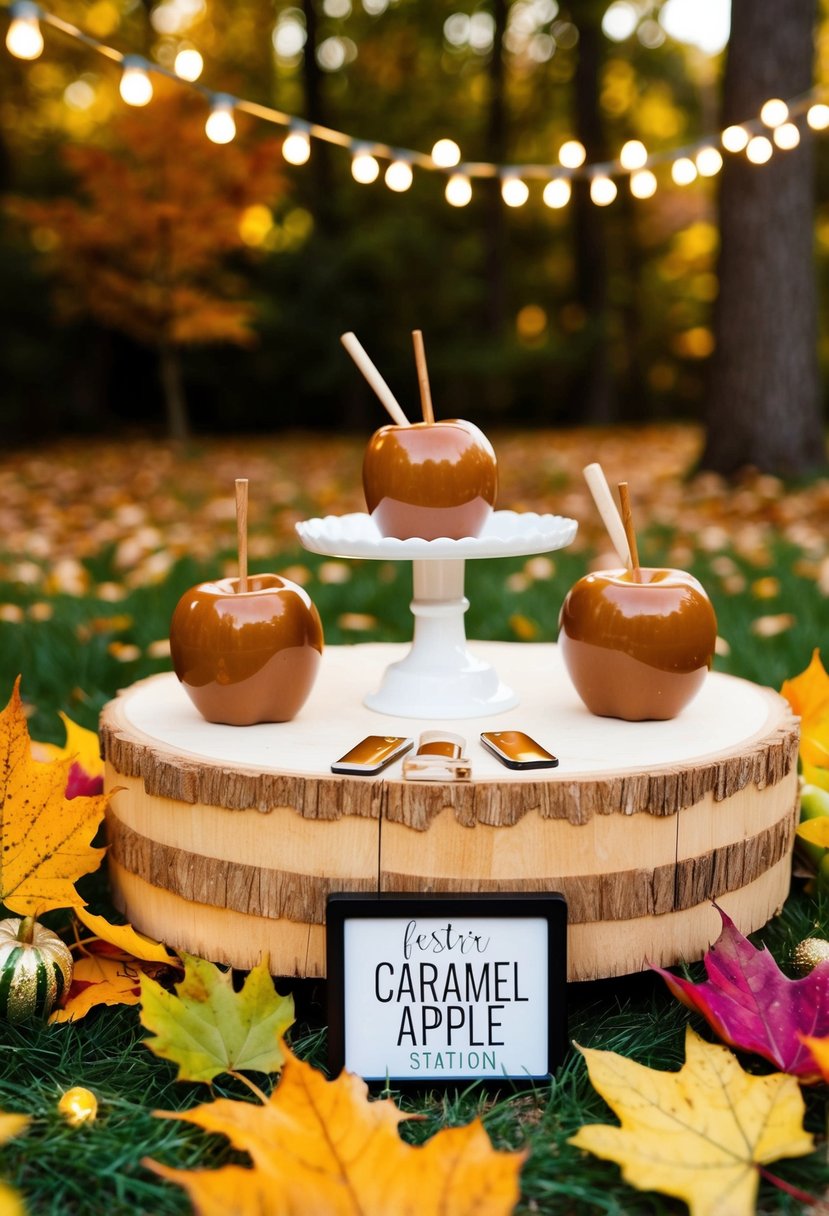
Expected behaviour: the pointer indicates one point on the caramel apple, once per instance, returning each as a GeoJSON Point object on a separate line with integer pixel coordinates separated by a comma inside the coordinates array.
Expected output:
{"type": "Point", "coordinates": [246, 656]}
{"type": "Point", "coordinates": [430, 479]}
{"type": "Point", "coordinates": [637, 643]}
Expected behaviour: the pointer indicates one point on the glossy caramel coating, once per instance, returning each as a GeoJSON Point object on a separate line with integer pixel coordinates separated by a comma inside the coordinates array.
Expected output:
{"type": "Point", "coordinates": [246, 657]}
{"type": "Point", "coordinates": [637, 650]}
{"type": "Point", "coordinates": [430, 480]}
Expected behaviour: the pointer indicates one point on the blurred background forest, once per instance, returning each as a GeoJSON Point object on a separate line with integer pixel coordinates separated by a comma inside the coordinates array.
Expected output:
{"type": "Point", "coordinates": [533, 315]}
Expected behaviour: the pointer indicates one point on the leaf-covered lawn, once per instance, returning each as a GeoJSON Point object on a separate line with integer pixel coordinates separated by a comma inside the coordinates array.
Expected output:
{"type": "Point", "coordinates": [97, 542]}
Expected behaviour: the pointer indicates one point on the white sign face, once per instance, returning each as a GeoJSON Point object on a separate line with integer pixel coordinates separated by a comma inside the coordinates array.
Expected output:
{"type": "Point", "coordinates": [452, 996]}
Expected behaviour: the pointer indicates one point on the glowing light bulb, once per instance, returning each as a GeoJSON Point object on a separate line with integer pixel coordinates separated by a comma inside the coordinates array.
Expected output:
{"type": "Point", "coordinates": [364, 168]}
{"type": "Point", "coordinates": [514, 192]}
{"type": "Point", "coordinates": [759, 150]}
{"type": "Point", "coordinates": [643, 184]}
{"type": "Point", "coordinates": [24, 39]}
{"type": "Point", "coordinates": [398, 176]}
{"type": "Point", "coordinates": [458, 190]}
{"type": "Point", "coordinates": [786, 136]}
{"type": "Point", "coordinates": [709, 162]}
{"type": "Point", "coordinates": [446, 153]}
{"type": "Point", "coordinates": [683, 171]}
{"type": "Point", "coordinates": [296, 148]}
{"type": "Point", "coordinates": [774, 112]}
{"type": "Point", "coordinates": [135, 87]}
{"type": "Point", "coordinates": [602, 190]}
{"type": "Point", "coordinates": [78, 1105]}
{"type": "Point", "coordinates": [220, 127]}
{"type": "Point", "coordinates": [817, 116]}
{"type": "Point", "coordinates": [634, 155]}
{"type": "Point", "coordinates": [557, 193]}
{"type": "Point", "coordinates": [734, 139]}
{"type": "Point", "coordinates": [571, 154]}
{"type": "Point", "coordinates": [188, 64]}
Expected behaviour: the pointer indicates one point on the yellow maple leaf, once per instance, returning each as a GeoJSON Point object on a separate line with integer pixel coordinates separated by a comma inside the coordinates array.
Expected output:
{"type": "Point", "coordinates": [699, 1134]}
{"type": "Point", "coordinates": [207, 1028]}
{"type": "Point", "coordinates": [81, 745]}
{"type": "Point", "coordinates": [99, 981]}
{"type": "Point", "coordinates": [321, 1146]}
{"type": "Point", "coordinates": [10, 1202]}
{"type": "Point", "coordinates": [45, 837]}
{"type": "Point", "coordinates": [124, 938]}
{"type": "Point", "coordinates": [808, 695]}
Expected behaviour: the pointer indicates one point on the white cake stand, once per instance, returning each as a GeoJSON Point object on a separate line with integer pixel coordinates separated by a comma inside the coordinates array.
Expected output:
{"type": "Point", "coordinates": [439, 677]}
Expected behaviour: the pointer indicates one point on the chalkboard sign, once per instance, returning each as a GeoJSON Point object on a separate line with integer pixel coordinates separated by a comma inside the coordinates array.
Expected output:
{"type": "Point", "coordinates": [436, 989]}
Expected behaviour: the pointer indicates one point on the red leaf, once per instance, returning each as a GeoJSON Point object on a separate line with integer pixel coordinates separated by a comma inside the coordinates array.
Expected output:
{"type": "Point", "coordinates": [753, 1006]}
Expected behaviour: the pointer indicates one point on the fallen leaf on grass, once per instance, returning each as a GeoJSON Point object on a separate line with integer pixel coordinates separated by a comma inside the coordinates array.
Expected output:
{"type": "Point", "coordinates": [753, 1006]}
{"type": "Point", "coordinates": [46, 838]}
{"type": "Point", "coordinates": [86, 775]}
{"type": "Point", "coordinates": [97, 980]}
{"type": "Point", "coordinates": [125, 939]}
{"type": "Point", "coordinates": [701, 1134]}
{"type": "Point", "coordinates": [808, 695]}
{"type": "Point", "coordinates": [320, 1146]}
{"type": "Point", "coordinates": [206, 1028]}
{"type": "Point", "coordinates": [10, 1202]}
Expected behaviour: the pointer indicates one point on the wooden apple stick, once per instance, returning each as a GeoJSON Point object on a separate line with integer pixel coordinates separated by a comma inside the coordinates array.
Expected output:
{"type": "Point", "coordinates": [242, 530]}
{"type": "Point", "coordinates": [627, 520]}
{"type": "Point", "coordinates": [597, 482]}
{"type": "Point", "coordinates": [423, 377]}
{"type": "Point", "coordinates": [352, 344]}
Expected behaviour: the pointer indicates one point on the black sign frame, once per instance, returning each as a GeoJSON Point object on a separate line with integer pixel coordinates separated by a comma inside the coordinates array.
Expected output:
{"type": "Point", "coordinates": [551, 907]}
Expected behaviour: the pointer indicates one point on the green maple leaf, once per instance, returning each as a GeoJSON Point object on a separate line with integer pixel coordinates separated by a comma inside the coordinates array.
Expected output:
{"type": "Point", "coordinates": [206, 1028]}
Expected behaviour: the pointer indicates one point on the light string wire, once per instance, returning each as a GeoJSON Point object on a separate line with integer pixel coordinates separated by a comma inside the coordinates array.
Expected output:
{"type": "Point", "coordinates": [756, 126]}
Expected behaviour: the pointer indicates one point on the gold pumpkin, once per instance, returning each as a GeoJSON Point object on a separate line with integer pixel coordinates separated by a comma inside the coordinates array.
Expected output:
{"type": "Point", "coordinates": [35, 969]}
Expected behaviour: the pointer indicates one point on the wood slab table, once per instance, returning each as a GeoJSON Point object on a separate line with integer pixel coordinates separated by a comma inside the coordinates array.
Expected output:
{"type": "Point", "coordinates": [225, 841]}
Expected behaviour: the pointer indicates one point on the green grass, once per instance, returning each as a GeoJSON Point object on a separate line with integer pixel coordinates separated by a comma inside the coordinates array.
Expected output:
{"type": "Point", "coordinates": [94, 1168]}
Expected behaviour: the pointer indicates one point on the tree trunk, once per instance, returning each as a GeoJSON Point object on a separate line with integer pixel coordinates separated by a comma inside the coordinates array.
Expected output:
{"type": "Point", "coordinates": [169, 366]}
{"type": "Point", "coordinates": [316, 111]}
{"type": "Point", "coordinates": [594, 389]}
{"type": "Point", "coordinates": [763, 406]}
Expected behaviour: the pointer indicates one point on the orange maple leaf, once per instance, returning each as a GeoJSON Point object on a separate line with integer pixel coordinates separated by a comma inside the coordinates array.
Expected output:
{"type": "Point", "coordinates": [45, 839]}
{"type": "Point", "coordinates": [321, 1146]}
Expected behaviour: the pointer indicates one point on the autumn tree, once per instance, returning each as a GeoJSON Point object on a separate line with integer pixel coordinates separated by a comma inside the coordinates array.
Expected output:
{"type": "Point", "coordinates": [144, 244]}
{"type": "Point", "coordinates": [763, 405]}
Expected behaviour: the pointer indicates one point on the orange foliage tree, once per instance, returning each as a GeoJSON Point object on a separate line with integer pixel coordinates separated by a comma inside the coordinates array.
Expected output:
{"type": "Point", "coordinates": [143, 245]}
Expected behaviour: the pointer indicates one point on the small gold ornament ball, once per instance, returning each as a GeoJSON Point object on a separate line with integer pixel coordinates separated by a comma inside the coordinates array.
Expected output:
{"type": "Point", "coordinates": [78, 1105]}
{"type": "Point", "coordinates": [810, 952]}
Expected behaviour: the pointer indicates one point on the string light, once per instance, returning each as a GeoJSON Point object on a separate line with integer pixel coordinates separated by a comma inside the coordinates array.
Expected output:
{"type": "Point", "coordinates": [398, 176]}
{"type": "Point", "coordinates": [683, 171]}
{"type": "Point", "coordinates": [759, 150]}
{"type": "Point", "coordinates": [296, 148]}
{"type": "Point", "coordinates": [709, 161]}
{"type": "Point", "coordinates": [817, 116]}
{"type": "Point", "coordinates": [458, 190]}
{"type": "Point", "coordinates": [188, 64]}
{"type": "Point", "coordinates": [735, 138]}
{"type": "Point", "coordinates": [514, 191]}
{"type": "Point", "coordinates": [786, 136]}
{"type": "Point", "coordinates": [634, 155]}
{"type": "Point", "coordinates": [220, 127]}
{"type": "Point", "coordinates": [774, 112]}
{"type": "Point", "coordinates": [446, 154]}
{"type": "Point", "coordinates": [602, 190]}
{"type": "Point", "coordinates": [78, 1105]}
{"type": "Point", "coordinates": [135, 86]}
{"type": "Point", "coordinates": [571, 154]}
{"type": "Point", "coordinates": [364, 168]}
{"type": "Point", "coordinates": [643, 184]}
{"type": "Point", "coordinates": [557, 193]}
{"type": "Point", "coordinates": [24, 38]}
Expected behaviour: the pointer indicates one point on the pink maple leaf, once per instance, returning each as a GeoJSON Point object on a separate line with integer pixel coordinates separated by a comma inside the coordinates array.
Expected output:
{"type": "Point", "coordinates": [753, 1006]}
